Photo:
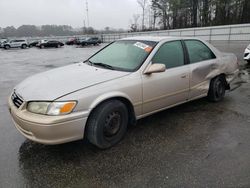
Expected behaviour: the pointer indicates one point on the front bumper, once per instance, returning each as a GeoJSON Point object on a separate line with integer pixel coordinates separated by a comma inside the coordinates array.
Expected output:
{"type": "Point", "coordinates": [48, 129]}
{"type": "Point", "coordinates": [247, 54]}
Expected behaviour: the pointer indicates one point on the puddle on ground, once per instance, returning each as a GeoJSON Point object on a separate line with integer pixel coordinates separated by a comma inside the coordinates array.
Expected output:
{"type": "Point", "coordinates": [49, 66]}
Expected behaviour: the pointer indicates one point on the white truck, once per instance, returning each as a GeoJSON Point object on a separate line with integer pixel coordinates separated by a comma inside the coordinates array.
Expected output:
{"type": "Point", "coordinates": [20, 43]}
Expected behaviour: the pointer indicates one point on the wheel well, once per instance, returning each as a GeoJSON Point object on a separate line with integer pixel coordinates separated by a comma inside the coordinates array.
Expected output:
{"type": "Point", "coordinates": [223, 76]}
{"type": "Point", "coordinates": [131, 112]}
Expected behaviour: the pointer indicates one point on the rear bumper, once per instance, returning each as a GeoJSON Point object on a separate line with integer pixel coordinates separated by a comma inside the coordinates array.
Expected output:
{"type": "Point", "coordinates": [231, 77]}
{"type": "Point", "coordinates": [48, 129]}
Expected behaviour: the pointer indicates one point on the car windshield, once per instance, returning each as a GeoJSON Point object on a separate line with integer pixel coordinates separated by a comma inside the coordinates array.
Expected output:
{"type": "Point", "coordinates": [124, 55]}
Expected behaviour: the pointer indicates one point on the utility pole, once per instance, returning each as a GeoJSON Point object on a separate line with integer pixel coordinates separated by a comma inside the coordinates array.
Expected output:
{"type": "Point", "coordinates": [87, 12]}
{"type": "Point", "coordinates": [84, 27]}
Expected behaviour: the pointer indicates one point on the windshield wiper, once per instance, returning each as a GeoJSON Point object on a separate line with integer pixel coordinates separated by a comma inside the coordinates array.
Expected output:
{"type": "Point", "coordinates": [99, 64]}
{"type": "Point", "coordinates": [103, 65]}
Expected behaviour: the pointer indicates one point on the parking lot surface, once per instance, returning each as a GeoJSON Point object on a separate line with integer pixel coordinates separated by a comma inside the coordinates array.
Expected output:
{"type": "Point", "coordinates": [198, 144]}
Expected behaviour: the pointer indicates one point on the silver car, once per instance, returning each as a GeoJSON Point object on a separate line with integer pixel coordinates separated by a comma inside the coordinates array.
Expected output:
{"type": "Point", "coordinates": [125, 81]}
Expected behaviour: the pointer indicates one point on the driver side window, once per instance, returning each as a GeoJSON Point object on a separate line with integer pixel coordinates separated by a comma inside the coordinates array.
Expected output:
{"type": "Point", "coordinates": [171, 54]}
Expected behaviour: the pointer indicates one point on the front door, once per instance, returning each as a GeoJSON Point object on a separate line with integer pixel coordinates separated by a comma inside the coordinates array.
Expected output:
{"type": "Point", "coordinates": [162, 90]}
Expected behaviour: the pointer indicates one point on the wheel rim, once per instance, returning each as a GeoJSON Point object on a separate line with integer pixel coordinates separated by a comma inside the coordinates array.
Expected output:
{"type": "Point", "coordinates": [219, 89]}
{"type": "Point", "coordinates": [112, 124]}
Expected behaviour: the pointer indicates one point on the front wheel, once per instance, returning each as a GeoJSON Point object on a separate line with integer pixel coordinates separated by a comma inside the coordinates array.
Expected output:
{"type": "Point", "coordinates": [107, 124]}
{"type": "Point", "coordinates": [24, 46]}
{"type": "Point", "coordinates": [217, 89]}
{"type": "Point", "coordinates": [7, 47]}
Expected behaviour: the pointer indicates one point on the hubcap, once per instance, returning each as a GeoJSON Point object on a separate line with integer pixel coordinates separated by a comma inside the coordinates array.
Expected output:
{"type": "Point", "coordinates": [112, 124]}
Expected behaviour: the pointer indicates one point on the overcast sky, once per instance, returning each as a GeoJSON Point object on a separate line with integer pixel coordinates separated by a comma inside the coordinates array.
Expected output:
{"type": "Point", "coordinates": [102, 13]}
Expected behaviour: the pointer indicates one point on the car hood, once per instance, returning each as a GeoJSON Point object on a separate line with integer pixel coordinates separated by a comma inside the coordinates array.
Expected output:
{"type": "Point", "coordinates": [58, 82]}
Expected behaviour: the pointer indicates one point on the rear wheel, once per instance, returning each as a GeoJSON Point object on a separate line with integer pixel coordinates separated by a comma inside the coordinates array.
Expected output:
{"type": "Point", "coordinates": [7, 47]}
{"type": "Point", "coordinates": [217, 89]}
{"type": "Point", "coordinates": [107, 124]}
{"type": "Point", "coordinates": [42, 46]}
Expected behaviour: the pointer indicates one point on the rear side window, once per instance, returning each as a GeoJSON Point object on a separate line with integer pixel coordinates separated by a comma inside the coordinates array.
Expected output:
{"type": "Point", "coordinates": [198, 51]}
{"type": "Point", "coordinates": [171, 54]}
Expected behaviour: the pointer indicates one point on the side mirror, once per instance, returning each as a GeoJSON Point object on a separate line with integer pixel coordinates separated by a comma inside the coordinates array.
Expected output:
{"type": "Point", "coordinates": [155, 68]}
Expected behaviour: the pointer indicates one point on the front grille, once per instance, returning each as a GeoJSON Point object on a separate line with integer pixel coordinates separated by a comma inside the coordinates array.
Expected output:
{"type": "Point", "coordinates": [246, 54]}
{"type": "Point", "coordinates": [17, 101]}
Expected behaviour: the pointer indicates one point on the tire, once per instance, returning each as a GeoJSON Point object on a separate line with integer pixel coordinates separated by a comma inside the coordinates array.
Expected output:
{"type": "Point", "coordinates": [6, 47]}
{"type": "Point", "coordinates": [217, 89]}
{"type": "Point", "coordinates": [24, 46]}
{"type": "Point", "coordinates": [58, 46]}
{"type": "Point", "coordinates": [107, 124]}
{"type": "Point", "coordinates": [42, 46]}
{"type": "Point", "coordinates": [248, 61]}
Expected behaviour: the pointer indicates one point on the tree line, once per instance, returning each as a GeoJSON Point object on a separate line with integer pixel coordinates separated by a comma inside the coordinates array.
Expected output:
{"type": "Point", "coordinates": [174, 14]}
{"type": "Point", "coordinates": [155, 15]}
{"type": "Point", "coordinates": [52, 30]}
{"type": "Point", "coordinates": [44, 30]}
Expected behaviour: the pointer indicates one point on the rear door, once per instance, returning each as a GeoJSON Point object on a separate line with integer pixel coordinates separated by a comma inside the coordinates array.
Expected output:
{"type": "Point", "coordinates": [202, 61]}
{"type": "Point", "coordinates": [161, 90]}
{"type": "Point", "coordinates": [14, 43]}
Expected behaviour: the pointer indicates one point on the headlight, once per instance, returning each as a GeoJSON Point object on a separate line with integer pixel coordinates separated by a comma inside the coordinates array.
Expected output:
{"type": "Point", "coordinates": [51, 108]}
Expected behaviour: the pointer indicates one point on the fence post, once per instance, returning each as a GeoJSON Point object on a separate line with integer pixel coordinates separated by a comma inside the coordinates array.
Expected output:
{"type": "Point", "coordinates": [230, 31]}
{"type": "Point", "coordinates": [210, 34]}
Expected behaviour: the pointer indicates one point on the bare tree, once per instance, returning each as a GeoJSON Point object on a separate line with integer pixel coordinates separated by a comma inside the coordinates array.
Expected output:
{"type": "Point", "coordinates": [134, 22]}
{"type": "Point", "coordinates": [143, 4]}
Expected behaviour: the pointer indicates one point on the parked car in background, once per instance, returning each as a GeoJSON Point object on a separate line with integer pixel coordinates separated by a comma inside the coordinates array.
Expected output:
{"type": "Point", "coordinates": [247, 54]}
{"type": "Point", "coordinates": [90, 41]}
{"type": "Point", "coordinates": [71, 41]}
{"type": "Point", "coordinates": [80, 40]}
{"type": "Point", "coordinates": [129, 79]}
{"type": "Point", "coordinates": [50, 44]}
{"type": "Point", "coordinates": [2, 42]}
{"type": "Point", "coordinates": [18, 43]}
{"type": "Point", "coordinates": [33, 44]}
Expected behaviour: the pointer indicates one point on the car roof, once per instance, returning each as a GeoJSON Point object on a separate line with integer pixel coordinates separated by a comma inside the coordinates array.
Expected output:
{"type": "Point", "coordinates": [156, 38]}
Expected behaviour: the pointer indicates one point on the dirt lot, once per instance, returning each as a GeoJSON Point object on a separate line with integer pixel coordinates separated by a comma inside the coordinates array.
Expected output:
{"type": "Point", "coordinates": [198, 144]}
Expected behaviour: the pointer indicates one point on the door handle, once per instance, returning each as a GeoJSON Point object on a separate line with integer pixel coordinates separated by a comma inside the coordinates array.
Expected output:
{"type": "Point", "coordinates": [184, 76]}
